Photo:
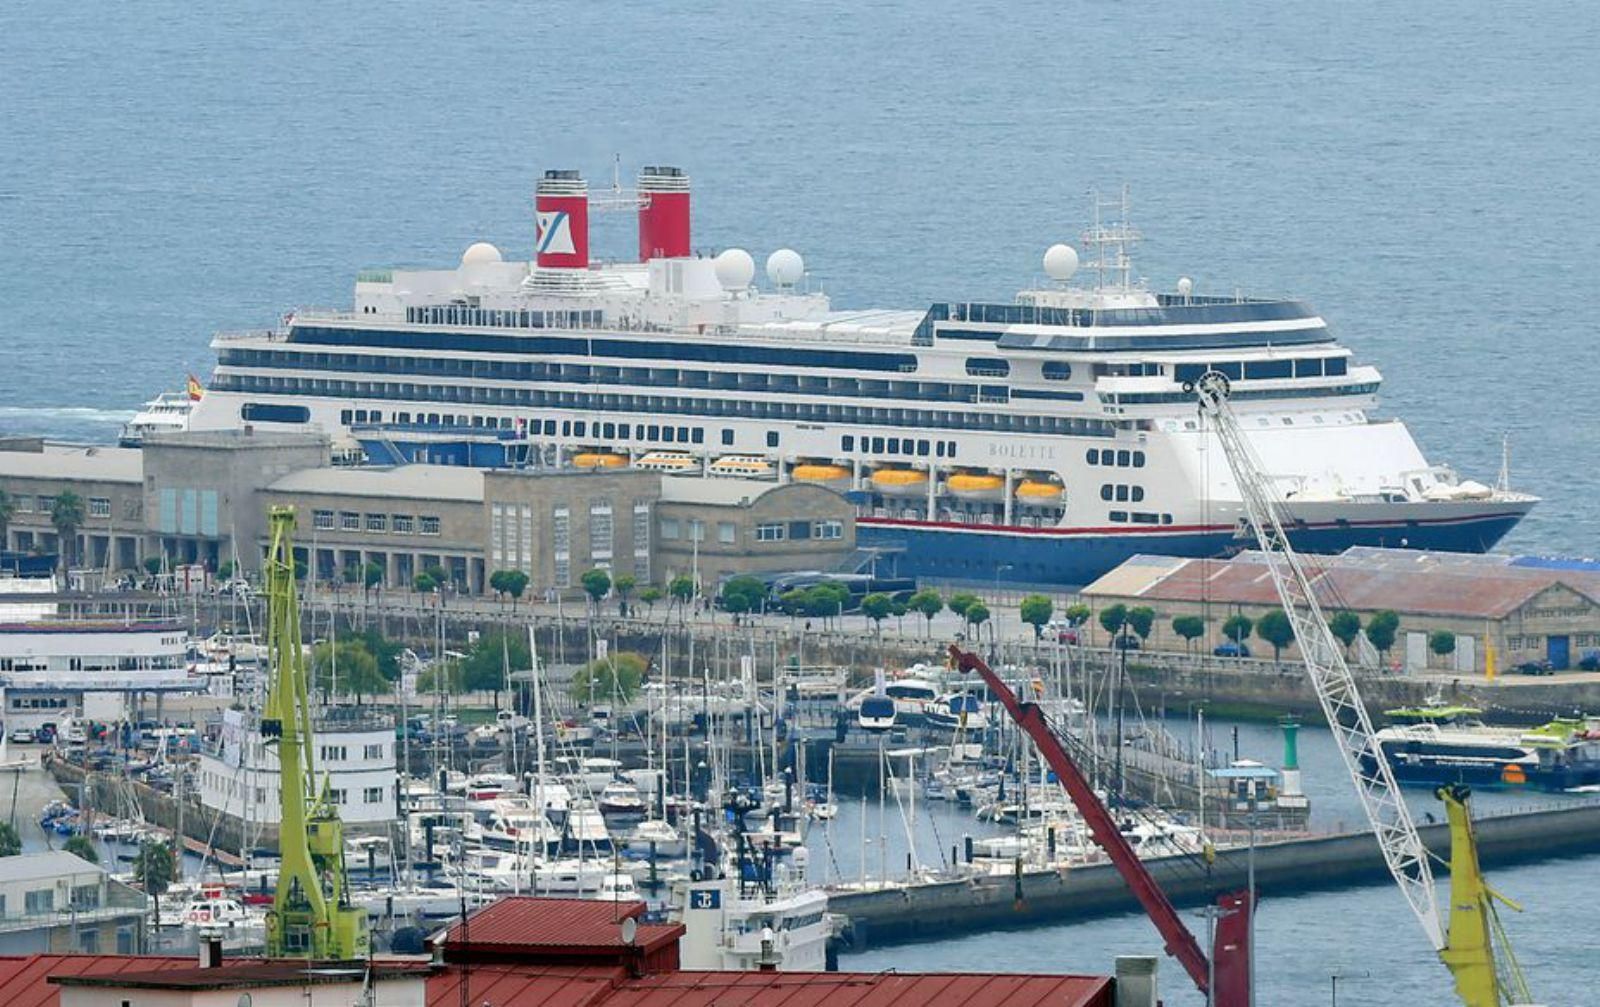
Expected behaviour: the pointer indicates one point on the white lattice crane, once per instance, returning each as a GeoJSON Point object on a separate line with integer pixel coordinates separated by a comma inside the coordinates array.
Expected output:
{"type": "Point", "coordinates": [1335, 686]}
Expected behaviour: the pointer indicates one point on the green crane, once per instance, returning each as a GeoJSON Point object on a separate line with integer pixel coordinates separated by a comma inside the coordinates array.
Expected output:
{"type": "Point", "coordinates": [311, 914]}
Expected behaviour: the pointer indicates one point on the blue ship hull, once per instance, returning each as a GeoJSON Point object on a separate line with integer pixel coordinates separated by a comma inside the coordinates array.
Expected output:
{"type": "Point", "coordinates": [1492, 775]}
{"type": "Point", "coordinates": [1073, 558]}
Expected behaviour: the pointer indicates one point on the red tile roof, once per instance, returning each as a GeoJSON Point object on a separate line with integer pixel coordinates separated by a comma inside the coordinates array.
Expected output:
{"type": "Point", "coordinates": [567, 925]}
{"type": "Point", "coordinates": [24, 980]}
{"type": "Point", "coordinates": [525, 986]}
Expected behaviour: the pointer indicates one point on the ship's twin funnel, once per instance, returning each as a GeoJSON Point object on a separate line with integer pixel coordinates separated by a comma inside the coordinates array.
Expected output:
{"type": "Point", "coordinates": [561, 209]}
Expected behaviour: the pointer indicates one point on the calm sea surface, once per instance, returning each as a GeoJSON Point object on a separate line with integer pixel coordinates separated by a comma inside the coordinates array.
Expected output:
{"type": "Point", "coordinates": [1423, 172]}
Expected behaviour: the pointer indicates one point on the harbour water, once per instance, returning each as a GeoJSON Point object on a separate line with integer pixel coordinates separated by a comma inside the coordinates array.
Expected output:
{"type": "Point", "coordinates": [1420, 171]}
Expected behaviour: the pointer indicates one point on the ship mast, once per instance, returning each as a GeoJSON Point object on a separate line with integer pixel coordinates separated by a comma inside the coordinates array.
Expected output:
{"type": "Point", "coordinates": [311, 914]}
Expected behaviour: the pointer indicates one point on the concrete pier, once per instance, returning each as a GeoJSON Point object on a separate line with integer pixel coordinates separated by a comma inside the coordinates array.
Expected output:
{"type": "Point", "coordinates": [934, 911]}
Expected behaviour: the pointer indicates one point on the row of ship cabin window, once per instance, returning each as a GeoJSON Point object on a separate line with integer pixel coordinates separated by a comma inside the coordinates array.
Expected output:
{"type": "Point", "coordinates": [899, 446]}
{"type": "Point", "coordinates": [1122, 458]}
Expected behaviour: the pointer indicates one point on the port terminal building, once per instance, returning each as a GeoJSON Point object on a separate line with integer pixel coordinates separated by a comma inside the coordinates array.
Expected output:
{"type": "Point", "coordinates": [200, 498]}
{"type": "Point", "coordinates": [1516, 611]}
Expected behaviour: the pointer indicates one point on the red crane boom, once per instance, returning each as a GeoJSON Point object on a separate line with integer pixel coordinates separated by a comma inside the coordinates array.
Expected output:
{"type": "Point", "coordinates": [1230, 975]}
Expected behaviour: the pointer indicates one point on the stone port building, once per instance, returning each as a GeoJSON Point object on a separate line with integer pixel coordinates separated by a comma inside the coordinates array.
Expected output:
{"type": "Point", "coordinates": [202, 498]}
{"type": "Point", "coordinates": [1523, 610]}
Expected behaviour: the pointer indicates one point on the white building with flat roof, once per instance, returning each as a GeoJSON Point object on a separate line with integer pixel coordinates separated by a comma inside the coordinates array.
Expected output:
{"type": "Point", "coordinates": [52, 669]}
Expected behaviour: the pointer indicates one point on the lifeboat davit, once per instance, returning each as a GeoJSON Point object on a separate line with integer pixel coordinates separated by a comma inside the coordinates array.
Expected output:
{"type": "Point", "coordinates": [599, 460]}
{"type": "Point", "coordinates": [978, 486]}
{"type": "Point", "coordinates": [741, 465]}
{"type": "Point", "coordinates": [667, 461]}
{"type": "Point", "coordinates": [1039, 491]}
{"type": "Point", "coordinates": [832, 476]}
{"type": "Point", "coordinates": [900, 482]}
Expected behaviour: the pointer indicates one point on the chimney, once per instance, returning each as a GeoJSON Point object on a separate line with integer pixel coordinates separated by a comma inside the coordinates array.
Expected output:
{"type": "Point", "coordinates": [561, 210]}
{"type": "Point", "coordinates": [210, 951]}
{"type": "Point", "coordinates": [663, 213]}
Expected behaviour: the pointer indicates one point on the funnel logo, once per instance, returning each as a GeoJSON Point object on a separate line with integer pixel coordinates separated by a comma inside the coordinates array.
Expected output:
{"type": "Point", "coordinates": [555, 233]}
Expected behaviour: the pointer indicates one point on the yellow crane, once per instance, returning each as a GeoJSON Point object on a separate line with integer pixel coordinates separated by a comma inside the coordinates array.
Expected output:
{"type": "Point", "coordinates": [1469, 940]}
{"type": "Point", "coordinates": [311, 914]}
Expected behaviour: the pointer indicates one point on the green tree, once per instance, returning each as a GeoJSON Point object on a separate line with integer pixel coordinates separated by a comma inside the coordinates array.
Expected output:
{"type": "Point", "coordinates": [490, 658]}
{"type": "Point", "coordinates": [596, 584]}
{"type": "Point", "coordinates": [497, 583]}
{"type": "Point", "coordinates": [960, 602]}
{"type": "Point", "coordinates": [1076, 614]}
{"type": "Point", "coordinates": [509, 582]}
{"type": "Point", "coordinates": [1036, 610]}
{"type": "Point", "coordinates": [8, 510]}
{"type": "Point", "coordinates": [650, 596]}
{"type": "Point", "coordinates": [899, 606]}
{"type": "Point", "coordinates": [1113, 618]}
{"type": "Point", "coordinates": [743, 594]}
{"type": "Point", "coordinates": [1190, 627]}
{"type": "Point", "coordinates": [616, 677]}
{"type": "Point", "coordinates": [225, 571]}
{"type": "Point", "coordinates": [1345, 626]}
{"type": "Point", "coordinates": [681, 589]}
{"type": "Point", "coordinates": [371, 577]}
{"type": "Point", "coordinates": [154, 564]}
{"type": "Point", "coordinates": [1142, 619]}
{"type": "Point", "coordinates": [1237, 626]}
{"type": "Point", "coordinates": [927, 603]}
{"type": "Point", "coordinates": [444, 675]}
{"type": "Point", "coordinates": [67, 515]}
{"type": "Point", "coordinates": [10, 842]}
{"type": "Point", "coordinates": [386, 651]}
{"type": "Point", "coordinates": [877, 607]}
{"type": "Point", "coordinates": [1442, 642]}
{"type": "Point", "coordinates": [826, 600]}
{"type": "Point", "coordinates": [976, 615]}
{"type": "Point", "coordinates": [1275, 628]}
{"type": "Point", "coordinates": [347, 668]}
{"type": "Point", "coordinates": [154, 870]}
{"type": "Point", "coordinates": [1382, 630]}
{"type": "Point", "coordinates": [82, 847]}
{"type": "Point", "coordinates": [424, 583]}
{"type": "Point", "coordinates": [624, 585]}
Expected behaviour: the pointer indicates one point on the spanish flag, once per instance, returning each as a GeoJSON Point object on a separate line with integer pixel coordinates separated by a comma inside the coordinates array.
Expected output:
{"type": "Point", "coordinates": [194, 389]}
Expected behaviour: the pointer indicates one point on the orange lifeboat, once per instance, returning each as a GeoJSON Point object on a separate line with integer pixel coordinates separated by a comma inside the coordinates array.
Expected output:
{"type": "Point", "coordinates": [900, 482]}
{"type": "Point", "coordinates": [1040, 491]}
{"type": "Point", "coordinates": [598, 460]}
{"type": "Point", "coordinates": [977, 486]}
{"type": "Point", "coordinates": [822, 473]}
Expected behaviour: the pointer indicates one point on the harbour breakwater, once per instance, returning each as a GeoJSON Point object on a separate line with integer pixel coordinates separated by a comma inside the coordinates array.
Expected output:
{"type": "Point", "coordinates": [940, 909]}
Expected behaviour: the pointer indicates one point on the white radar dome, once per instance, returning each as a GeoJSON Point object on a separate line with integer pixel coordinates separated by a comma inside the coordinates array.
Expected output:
{"type": "Point", "coordinates": [1185, 286]}
{"type": "Point", "coordinates": [785, 267]}
{"type": "Point", "coordinates": [480, 251]}
{"type": "Point", "coordinates": [735, 269]}
{"type": "Point", "coordinates": [1060, 262]}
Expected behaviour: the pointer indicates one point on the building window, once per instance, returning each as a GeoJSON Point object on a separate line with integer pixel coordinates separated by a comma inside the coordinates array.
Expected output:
{"type": "Point", "coordinates": [561, 545]}
{"type": "Point", "coordinates": [349, 521]}
{"type": "Point", "coordinates": [333, 753]}
{"type": "Point", "coordinates": [377, 522]}
{"type": "Point", "coordinates": [847, 442]}
{"type": "Point", "coordinates": [1057, 370]}
{"type": "Point", "coordinates": [641, 541]}
{"type": "Point", "coordinates": [727, 532]}
{"type": "Point", "coordinates": [428, 525]}
{"type": "Point", "coordinates": [99, 507]}
{"type": "Point", "coordinates": [770, 532]}
{"type": "Point", "coordinates": [727, 437]}
{"type": "Point", "coordinates": [669, 529]}
{"type": "Point", "coordinates": [41, 901]}
{"type": "Point", "coordinates": [601, 530]}
{"type": "Point", "coordinates": [697, 530]}
{"type": "Point", "coordinates": [828, 529]}
{"type": "Point", "coordinates": [336, 795]}
{"type": "Point", "coordinates": [403, 524]}
{"type": "Point", "coordinates": [85, 897]}
{"type": "Point", "coordinates": [372, 751]}
{"type": "Point", "coordinates": [25, 504]}
{"type": "Point", "coordinates": [772, 438]}
{"type": "Point", "coordinates": [47, 504]}
{"type": "Point", "coordinates": [322, 520]}
{"type": "Point", "coordinates": [373, 795]}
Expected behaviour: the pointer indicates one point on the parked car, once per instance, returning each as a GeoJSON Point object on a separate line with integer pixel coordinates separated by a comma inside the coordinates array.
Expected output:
{"type": "Point", "coordinates": [1231, 649]}
{"type": "Point", "coordinates": [23, 735]}
{"type": "Point", "coordinates": [1590, 661]}
{"type": "Point", "coordinates": [1127, 643]}
{"type": "Point", "coordinates": [1539, 667]}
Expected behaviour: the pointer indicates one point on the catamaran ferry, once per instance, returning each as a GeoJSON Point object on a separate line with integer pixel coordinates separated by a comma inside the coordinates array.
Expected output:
{"type": "Point", "coordinates": [1040, 440]}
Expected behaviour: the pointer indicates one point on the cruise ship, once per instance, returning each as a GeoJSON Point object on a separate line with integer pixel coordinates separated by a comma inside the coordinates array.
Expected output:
{"type": "Point", "coordinates": [1040, 440]}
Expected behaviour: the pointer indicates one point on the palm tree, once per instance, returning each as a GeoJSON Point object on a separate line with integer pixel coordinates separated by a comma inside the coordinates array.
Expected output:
{"type": "Point", "coordinates": [8, 510]}
{"type": "Point", "coordinates": [67, 515]}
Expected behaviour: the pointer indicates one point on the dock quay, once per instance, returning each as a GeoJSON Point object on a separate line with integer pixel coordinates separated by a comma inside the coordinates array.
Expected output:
{"type": "Point", "coordinates": [895, 914]}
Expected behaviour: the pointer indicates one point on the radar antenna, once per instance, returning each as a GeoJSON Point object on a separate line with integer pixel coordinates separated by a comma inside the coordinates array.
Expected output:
{"type": "Point", "coordinates": [1108, 243]}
